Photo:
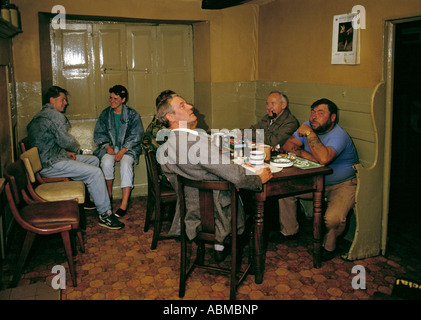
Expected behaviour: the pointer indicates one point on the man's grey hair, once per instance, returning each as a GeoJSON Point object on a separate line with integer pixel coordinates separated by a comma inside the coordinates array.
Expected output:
{"type": "Point", "coordinates": [164, 107]}
{"type": "Point", "coordinates": [283, 96]}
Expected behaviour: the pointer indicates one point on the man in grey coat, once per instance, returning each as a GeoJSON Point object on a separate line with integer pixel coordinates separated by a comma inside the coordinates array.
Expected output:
{"type": "Point", "coordinates": [190, 153]}
{"type": "Point", "coordinates": [279, 123]}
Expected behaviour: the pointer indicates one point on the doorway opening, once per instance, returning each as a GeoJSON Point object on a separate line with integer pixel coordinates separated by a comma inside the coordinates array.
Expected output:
{"type": "Point", "coordinates": [404, 219]}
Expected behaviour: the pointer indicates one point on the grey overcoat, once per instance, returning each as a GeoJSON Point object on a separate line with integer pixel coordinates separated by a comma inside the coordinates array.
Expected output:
{"type": "Point", "coordinates": [192, 155]}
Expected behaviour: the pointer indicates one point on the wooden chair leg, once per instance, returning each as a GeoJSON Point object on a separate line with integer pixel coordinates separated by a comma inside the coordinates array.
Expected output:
{"type": "Point", "coordinates": [200, 253]}
{"type": "Point", "coordinates": [27, 244]}
{"type": "Point", "coordinates": [82, 217]}
{"type": "Point", "coordinates": [68, 248]}
{"type": "Point", "coordinates": [157, 225]}
{"type": "Point", "coordinates": [234, 249]}
{"type": "Point", "coordinates": [183, 266]}
{"type": "Point", "coordinates": [149, 212]}
{"type": "Point", "coordinates": [81, 243]}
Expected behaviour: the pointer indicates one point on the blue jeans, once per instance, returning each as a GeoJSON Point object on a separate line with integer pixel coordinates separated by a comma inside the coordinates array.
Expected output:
{"type": "Point", "coordinates": [84, 168]}
{"type": "Point", "coordinates": [126, 169]}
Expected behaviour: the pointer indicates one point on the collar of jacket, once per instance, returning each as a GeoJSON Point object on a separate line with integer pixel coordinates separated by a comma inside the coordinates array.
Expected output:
{"type": "Point", "coordinates": [280, 118]}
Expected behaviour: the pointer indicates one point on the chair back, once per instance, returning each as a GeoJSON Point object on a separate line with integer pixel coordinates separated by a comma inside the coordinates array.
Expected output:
{"type": "Point", "coordinates": [207, 233]}
{"type": "Point", "coordinates": [32, 163]}
{"type": "Point", "coordinates": [16, 192]}
{"type": "Point", "coordinates": [206, 201]}
{"type": "Point", "coordinates": [152, 170]}
{"type": "Point", "coordinates": [15, 175]}
{"type": "Point", "coordinates": [24, 145]}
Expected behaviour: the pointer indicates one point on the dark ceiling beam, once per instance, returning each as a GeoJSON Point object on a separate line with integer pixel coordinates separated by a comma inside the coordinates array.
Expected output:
{"type": "Point", "coordinates": [221, 4]}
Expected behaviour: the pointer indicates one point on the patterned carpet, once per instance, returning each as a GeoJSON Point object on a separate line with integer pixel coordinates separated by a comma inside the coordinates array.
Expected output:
{"type": "Point", "coordinates": [119, 265]}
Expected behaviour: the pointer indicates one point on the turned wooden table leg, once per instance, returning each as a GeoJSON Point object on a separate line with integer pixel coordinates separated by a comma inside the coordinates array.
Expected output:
{"type": "Point", "coordinates": [317, 229]}
{"type": "Point", "coordinates": [259, 263]}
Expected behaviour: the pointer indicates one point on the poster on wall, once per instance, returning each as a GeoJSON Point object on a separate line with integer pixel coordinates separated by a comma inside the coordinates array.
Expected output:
{"type": "Point", "coordinates": [345, 40]}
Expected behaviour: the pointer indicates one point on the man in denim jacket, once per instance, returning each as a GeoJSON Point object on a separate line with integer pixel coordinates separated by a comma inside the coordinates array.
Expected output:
{"type": "Point", "coordinates": [59, 153]}
{"type": "Point", "coordinates": [118, 134]}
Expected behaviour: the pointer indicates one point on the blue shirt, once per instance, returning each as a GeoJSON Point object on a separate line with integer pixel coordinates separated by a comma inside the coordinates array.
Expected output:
{"type": "Point", "coordinates": [346, 154]}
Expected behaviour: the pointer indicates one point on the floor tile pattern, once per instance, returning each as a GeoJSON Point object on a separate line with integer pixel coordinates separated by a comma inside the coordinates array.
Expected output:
{"type": "Point", "coordinates": [119, 265]}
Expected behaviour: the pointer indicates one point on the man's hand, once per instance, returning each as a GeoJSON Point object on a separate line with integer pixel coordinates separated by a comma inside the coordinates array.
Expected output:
{"type": "Point", "coordinates": [265, 175]}
{"type": "Point", "coordinates": [120, 154]}
{"type": "Point", "coordinates": [302, 130]}
{"type": "Point", "coordinates": [109, 150]}
{"type": "Point", "coordinates": [72, 155]}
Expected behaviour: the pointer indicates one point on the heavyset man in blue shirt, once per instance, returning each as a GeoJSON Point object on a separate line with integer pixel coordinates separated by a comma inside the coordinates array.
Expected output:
{"type": "Point", "coordinates": [323, 141]}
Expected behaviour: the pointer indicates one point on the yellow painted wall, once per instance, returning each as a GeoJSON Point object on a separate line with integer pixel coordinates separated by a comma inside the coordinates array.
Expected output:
{"type": "Point", "coordinates": [295, 40]}
{"type": "Point", "coordinates": [233, 32]}
{"type": "Point", "coordinates": [240, 53]}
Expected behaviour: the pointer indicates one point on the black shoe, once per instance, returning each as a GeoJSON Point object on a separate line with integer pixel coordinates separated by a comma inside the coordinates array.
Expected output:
{"type": "Point", "coordinates": [110, 222]}
{"type": "Point", "coordinates": [89, 205]}
{"type": "Point", "coordinates": [278, 237]}
{"type": "Point", "coordinates": [327, 255]}
{"type": "Point", "coordinates": [221, 255]}
{"type": "Point", "coordinates": [120, 213]}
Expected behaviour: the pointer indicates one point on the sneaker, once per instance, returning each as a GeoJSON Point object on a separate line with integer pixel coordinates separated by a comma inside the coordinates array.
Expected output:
{"type": "Point", "coordinates": [110, 222]}
{"type": "Point", "coordinates": [120, 213]}
{"type": "Point", "coordinates": [89, 205]}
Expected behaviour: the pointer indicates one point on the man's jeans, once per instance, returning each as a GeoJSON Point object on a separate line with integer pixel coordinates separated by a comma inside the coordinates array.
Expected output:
{"type": "Point", "coordinates": [126, 169]}
{"type": "Point", "coordinates": [84, 168]}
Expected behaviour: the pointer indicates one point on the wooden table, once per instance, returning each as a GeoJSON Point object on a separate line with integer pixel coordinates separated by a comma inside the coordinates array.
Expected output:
{"type": "Point", "coordinates": [289, 182]}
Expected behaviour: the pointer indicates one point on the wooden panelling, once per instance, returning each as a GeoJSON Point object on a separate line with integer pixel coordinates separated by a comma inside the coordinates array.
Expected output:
{"type": "Point", "coordinates": [353, 103]}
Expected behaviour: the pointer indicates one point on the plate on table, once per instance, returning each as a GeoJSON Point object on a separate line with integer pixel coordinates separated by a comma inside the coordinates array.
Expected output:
{"type": "Point", "coordinates": [282, 163]}
{"type": "Point", "coordinates": [248, 166]}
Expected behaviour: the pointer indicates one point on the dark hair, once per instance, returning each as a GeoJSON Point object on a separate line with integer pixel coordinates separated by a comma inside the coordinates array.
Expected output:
{"type": "Point", "coordinates": [333, 108]}
{"type": "Point", "coordinates": [54, 92]}
{"type": "Point", "coordinates": [121, 91]}
{"type": "Point", "coordinates": [162, 96]}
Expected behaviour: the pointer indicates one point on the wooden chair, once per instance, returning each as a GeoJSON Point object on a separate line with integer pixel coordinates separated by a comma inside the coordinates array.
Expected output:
{"type": "Point", "coordinates": [159, 195]}
{"type": "Point", "coordinates": [53, 189]}
{"type": "Point", "coordinates": [24, 147]}
{"type": "Point", "coordinates": [43, 218]}
{"type": "Point", "coordinates": [207, 233]}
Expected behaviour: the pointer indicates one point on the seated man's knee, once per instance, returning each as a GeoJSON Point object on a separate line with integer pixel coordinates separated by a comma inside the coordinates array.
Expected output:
{"type": "Point", "coordinates": [95, 161]}
{"type": "Point", "coordinates": [333, 221]}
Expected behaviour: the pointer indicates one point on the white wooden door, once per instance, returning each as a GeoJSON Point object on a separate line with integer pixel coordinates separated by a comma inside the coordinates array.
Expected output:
{"type": "Point", "coordinates": [110, 61]}
{"type": "Point", "coordinates": [142, 70]}
{"type": "Point", "coordinates": [90, 58]}
{"type": "Point", "coordinates": [175, 65]}
{"type": "Point", "coordinates": [73, 68]}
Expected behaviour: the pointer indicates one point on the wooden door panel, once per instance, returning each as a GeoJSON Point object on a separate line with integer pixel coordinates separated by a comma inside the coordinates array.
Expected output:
{"type": "Point", "coordinates": [110, 51]}
{"type": "Point", "coordinates": [90, 58]}
{"type": "Point", "coordinates": [142, 69]}
{"type": "Point", "coordinates": [73, 68]}
{"type": "Point", "coordinates": [176, 59]}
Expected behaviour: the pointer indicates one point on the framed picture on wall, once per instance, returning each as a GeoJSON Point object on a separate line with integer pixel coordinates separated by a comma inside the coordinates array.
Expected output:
{"type": "Point", "coordinates": [345, 40]}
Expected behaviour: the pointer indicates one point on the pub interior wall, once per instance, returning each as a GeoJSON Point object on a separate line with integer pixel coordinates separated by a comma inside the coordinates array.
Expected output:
{"type": "Point", "coordinates": [241, 53]}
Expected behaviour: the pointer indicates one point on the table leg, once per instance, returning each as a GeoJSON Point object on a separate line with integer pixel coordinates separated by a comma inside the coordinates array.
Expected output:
{"type": "Point", "coordinates": [317, 227]}
{"type": "Point", "coordinates": [259, 264]}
